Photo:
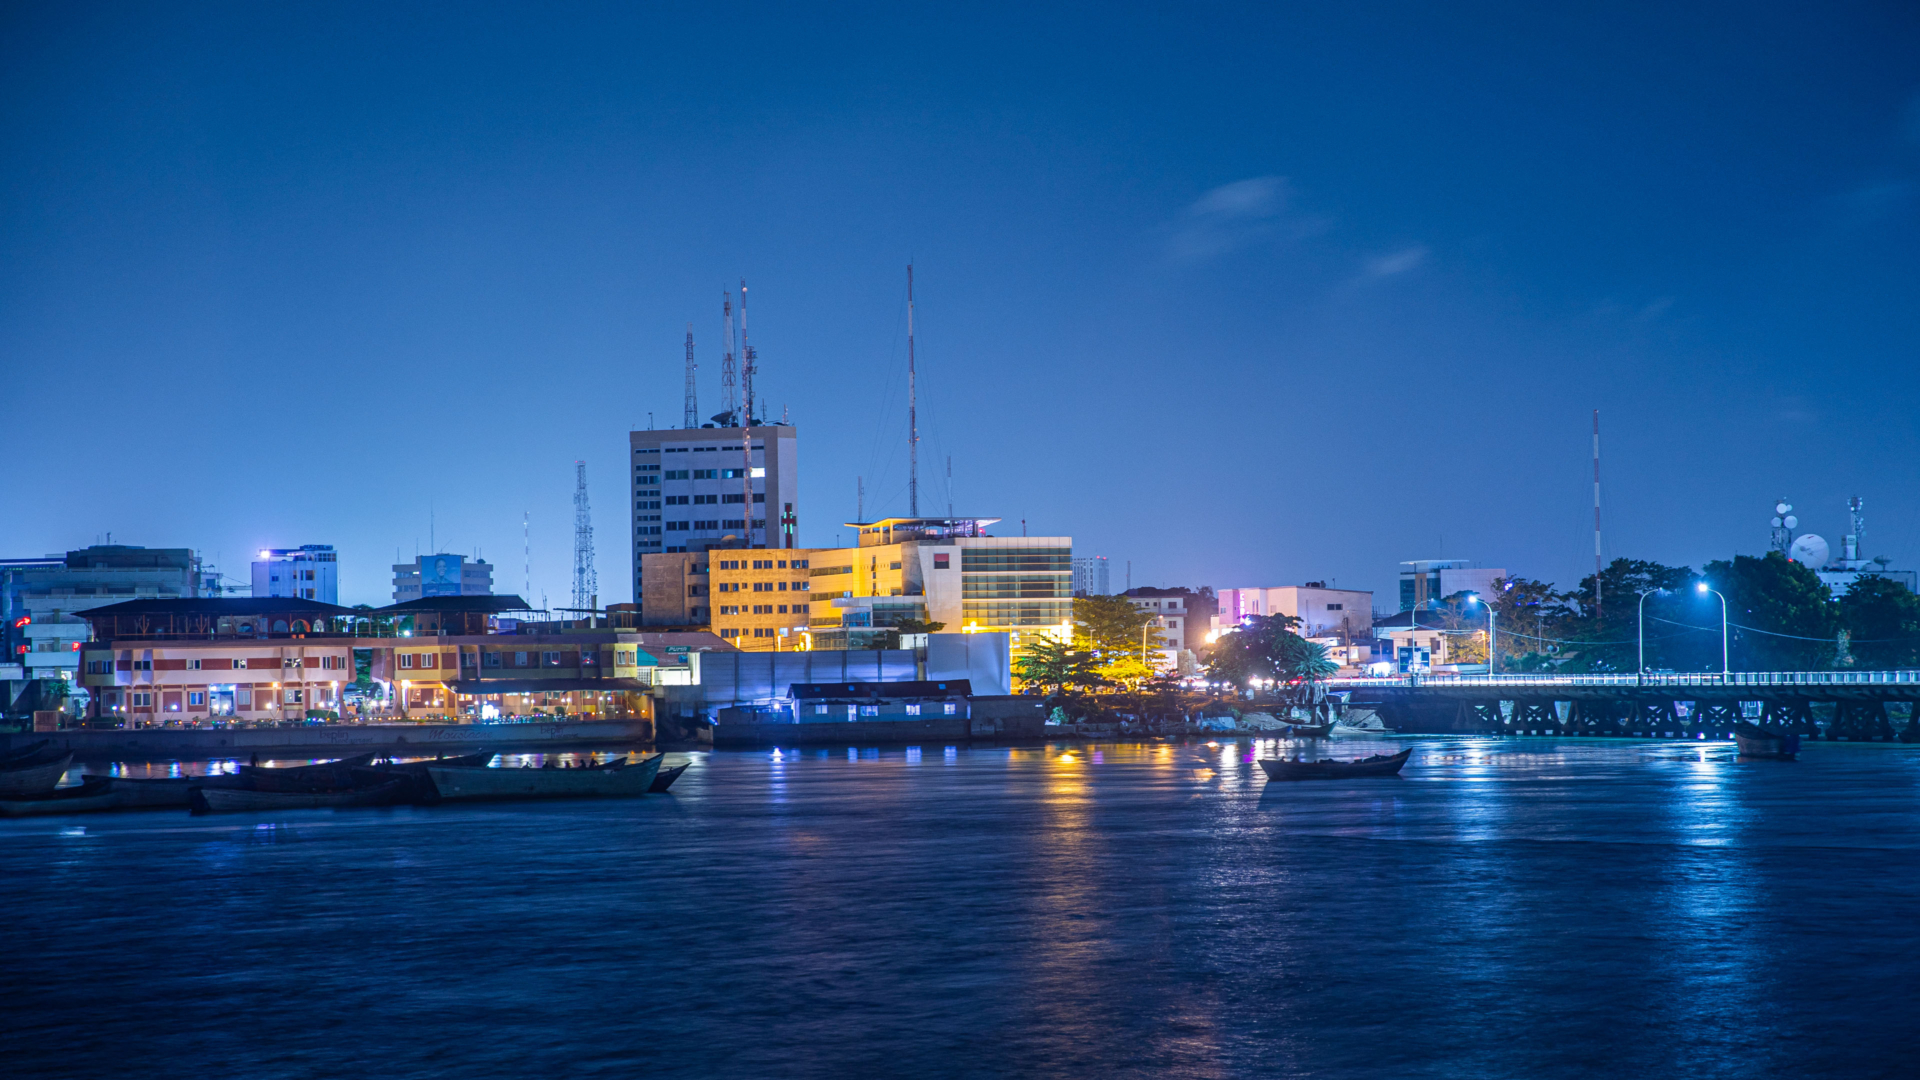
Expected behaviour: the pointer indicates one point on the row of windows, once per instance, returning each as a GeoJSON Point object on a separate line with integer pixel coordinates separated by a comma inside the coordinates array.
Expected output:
{"type": "Point", "coordinates": [946, 708]}
{"type": "Point", "coordinates": [765, 609]}
{"type": "Point", "coordinates": [727, 523]}
{"type": "Point", "coordinates": [1054, 560]}
{"type": "Point", "coordinates": [758, 564]}
{"type": "Point", "coordinates": [760, 586]}
{"type": "Point", "coordinates": [695, 449]}
{"type": "Point", "coordinates": [1016, 613]}
{"type": "Point", "coordinates": [646, 505]}
{"type": "Point", "coordinates": [758, 631]}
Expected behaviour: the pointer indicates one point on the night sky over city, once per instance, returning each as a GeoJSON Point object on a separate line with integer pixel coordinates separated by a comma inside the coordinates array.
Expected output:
{"type": "Point", "coordinates": [1241, 295]}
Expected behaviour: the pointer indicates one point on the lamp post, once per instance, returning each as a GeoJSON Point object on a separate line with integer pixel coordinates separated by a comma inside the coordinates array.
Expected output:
{"type": "Point", "coordinates": [1702, 587]}
{"type": "Point", "coordinates": [1641, 670]}
{"type": "Point", "coordinates": [1490, 639]}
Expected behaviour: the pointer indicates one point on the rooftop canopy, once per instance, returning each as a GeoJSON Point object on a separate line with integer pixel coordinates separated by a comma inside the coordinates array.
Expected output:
{"type": "Point", "coordinates": [897, 529]}
{"type": "Point", "coordinates": [466, 605]}
{"type": "Point", "coordinates": [209, 618]}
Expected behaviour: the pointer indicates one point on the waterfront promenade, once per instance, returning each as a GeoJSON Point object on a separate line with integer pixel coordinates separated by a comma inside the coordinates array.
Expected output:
{"type": "Point", "coordinates": [1511, 907]}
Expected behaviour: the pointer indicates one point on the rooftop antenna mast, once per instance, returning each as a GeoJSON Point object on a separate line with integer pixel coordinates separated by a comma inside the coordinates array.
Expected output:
{"type": "Point", "coordinates": [692, 418]}
{"type": "Point", "coordinates": [860, 499]}
{"type": "Point", "coordinates": [526, 542]}
{"type": "Point", "coordinates": [913, 415]}
{"type": "Point", "coordinates": [586, 584]}
{"type": "Point", "coordinates": [1597, 611]}
{"type": "Point", "coordinates": [746, 421]}
{"type": "Point", "coordinates": [949, 485]}
{"type": "Point", "coordinates": [726, 417]}
{"type": "Point", "coordinates": [747, 367]}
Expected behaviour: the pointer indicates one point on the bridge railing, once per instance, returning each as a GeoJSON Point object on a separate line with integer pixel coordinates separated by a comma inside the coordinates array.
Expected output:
{"type": "Point", "coordinates": [1689, 679]}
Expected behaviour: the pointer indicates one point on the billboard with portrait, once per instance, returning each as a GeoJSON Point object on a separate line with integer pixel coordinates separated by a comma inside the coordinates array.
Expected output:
{"type": "Point", "coordinates": [440, 575]}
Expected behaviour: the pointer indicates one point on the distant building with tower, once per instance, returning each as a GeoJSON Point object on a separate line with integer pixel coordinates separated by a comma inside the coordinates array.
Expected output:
{"type": "Point", "coordinates": [1090, 576]}
{"type": "Point", "coordinates": [700, 488]}
{"type": "Point", "coordinates": [308, 572]}
{"type": "Point", "coordinates": [1837, 572]}
{"type": "Point", "coordinates": [441, 575]}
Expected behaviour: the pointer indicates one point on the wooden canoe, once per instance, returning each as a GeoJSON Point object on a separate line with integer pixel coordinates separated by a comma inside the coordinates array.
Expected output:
{"type": "Point", "coordinates": [87, 796]}
{"type": "Point", "coordinates": [624, 780]}
{"type": "Point", "coordinates": [214, 800]}
{"type": "Point", "coordinates": [158, 792]}
{"type": "Point", "coordinates": [8, 757]}
{"type": "Point", "coordinates": [35, 774]}
{"type": "Point", "coordinates": [1328, 769]}
{"type": "Point", "coordinates": [665, 778]}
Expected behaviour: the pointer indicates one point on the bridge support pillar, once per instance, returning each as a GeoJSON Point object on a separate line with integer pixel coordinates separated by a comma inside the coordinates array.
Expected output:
{"type": "Point", "coordinates": [1715, 718]}
{"type": "Point", "coordinates": [1791, 715]}
{"type": "Point", "coordinates": [1860, 721]}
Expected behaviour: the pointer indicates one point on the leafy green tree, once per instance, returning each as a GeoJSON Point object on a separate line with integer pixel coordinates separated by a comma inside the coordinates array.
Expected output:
{"type": "Point", "coordinates": [1605, 638]}
{"type": "Point", "coordinates": [1051, 665]}
{"type": "Point", "coordinates": [1884, 617]}
{"type": "Point", "coordinates": [1110, 625]}
{"type": "Point", "coordinates": [1781, 615]}
{"type": "Point", "coordinates": [1266, 647]}
{"type": "Point", "coordinates": [1528, 615]}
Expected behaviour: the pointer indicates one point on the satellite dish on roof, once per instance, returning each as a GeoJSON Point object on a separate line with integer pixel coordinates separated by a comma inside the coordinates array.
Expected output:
{"type": "Point", "coordinates": [1782, 506]}
{"type": "Point", "coordinates": [1792, 522]}
{"type": "Point", "coordinates": [1809, 551]}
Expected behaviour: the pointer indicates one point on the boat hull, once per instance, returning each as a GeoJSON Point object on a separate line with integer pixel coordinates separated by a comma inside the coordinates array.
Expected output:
{"type": "Point", "coordinates": [35, 775]}
{"type": "Point", "coordinates": [163, 792]}
{"type": "Point", "coordinates": [470, 785]}
{"type": "Point", "coordinates": [665, 778]}
{"type": "Point", "coordinates": [86, 797]}
{"type": "Point", "coordinates": [226, 800]}
{"type": "Point", "coordinates": [1277, 769]}
{"type": "Point", "coordinates": [1767, 745]}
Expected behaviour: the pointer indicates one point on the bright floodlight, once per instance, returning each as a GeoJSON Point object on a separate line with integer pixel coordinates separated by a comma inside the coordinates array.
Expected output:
{"type": "Point", "coordinates": [1700, 587]}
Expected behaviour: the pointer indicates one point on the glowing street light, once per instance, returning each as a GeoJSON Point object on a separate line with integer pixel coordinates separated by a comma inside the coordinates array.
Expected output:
{"type": "Point", "coordinates": [1702, 587]}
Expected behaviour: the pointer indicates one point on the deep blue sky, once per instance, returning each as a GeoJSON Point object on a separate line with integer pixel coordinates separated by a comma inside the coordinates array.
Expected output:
{"type": "Point", "coordinates": [1246, 296]}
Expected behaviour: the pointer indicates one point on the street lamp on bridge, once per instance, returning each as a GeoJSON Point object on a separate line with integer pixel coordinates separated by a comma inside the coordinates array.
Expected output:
{"type": "Point", "coordinates": [1702, 587]}
{"type": "Point", "coordinates": [1475, 599]}
{"type": "Point", "coordinates": [1643, 628]}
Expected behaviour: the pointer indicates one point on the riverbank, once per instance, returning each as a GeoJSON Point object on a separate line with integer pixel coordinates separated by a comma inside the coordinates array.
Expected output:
{"type": "Point", "coordinates": [320, 740]}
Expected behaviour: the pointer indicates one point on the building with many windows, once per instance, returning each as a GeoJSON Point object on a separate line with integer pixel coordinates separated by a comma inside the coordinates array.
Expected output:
{"type": "Point", "coordinates": [929, 570]}
{"type": "Point", "coordinates": [41, 600]}
{"type": "Point", "coordinates": [697, 488]}
{"type": "Point", "coordinates": [308, 572]}
{"type": "Point", "coordinates": [1090, 575]}
{"type": "Point", "coordinates": [1426, 582]}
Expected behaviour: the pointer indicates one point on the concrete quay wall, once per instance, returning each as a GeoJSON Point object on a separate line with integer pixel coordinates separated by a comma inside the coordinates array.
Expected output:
{"type": "Point", "coordinates": [337, 739]}
{"type": "Point", "coordinates": [878, 732]}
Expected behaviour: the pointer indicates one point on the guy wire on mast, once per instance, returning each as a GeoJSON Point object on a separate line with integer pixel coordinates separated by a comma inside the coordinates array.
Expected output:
{"type": "Point", "coordinates": [913, 416]}
{"type": "Point", "coordinates": [746, 421]}
{"type": "Point", "coordinates": [860, 499]}
{"type": "Point", "coordinates": [692, 418]}
{"type": "Point", "coordinates": [1596, 514]}
{"type": "Point", "coordinates": [726, 417]}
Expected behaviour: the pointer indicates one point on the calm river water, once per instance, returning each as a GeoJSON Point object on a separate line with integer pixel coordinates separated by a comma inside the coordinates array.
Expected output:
{"type": "Point", "coordinates": [1509, 908]}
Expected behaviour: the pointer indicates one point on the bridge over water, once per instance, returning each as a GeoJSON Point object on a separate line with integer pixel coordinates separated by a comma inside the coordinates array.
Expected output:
{"type": "Point", "coordinates": [1852, 705]}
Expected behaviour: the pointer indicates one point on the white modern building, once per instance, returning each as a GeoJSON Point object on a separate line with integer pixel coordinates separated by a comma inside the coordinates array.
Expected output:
{"type": "Point", "coordinates": [1323, 612]}
{"type": "Point", "coordinates": [1426, 582]}
{"type": "Point", "coordinates": [308, 572]}
{"type": "Point", "coordinates": [1167, 636]}
{"type": "Point", "coordinates": [40, 598]}
{"type": "Point", "coordinates": [1090, 576]}
{"type": "Point", "coordinates": [442, 575]}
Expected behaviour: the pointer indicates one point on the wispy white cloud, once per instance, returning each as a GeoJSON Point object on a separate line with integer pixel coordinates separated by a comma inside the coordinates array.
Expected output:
{"type": "Point", "coordinates": [1395, 263]}
{"type": "Point", "coordinates": [1236, 215]}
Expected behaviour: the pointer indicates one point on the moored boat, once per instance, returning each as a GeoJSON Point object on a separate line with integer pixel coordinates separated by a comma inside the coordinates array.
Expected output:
{"type": "Point", "coordinates": [1378, 765]}
{"type": "Point", "coordinates": [665, 778]}
{"type": "Point", "coordinates": [620, 779]}
{"type": "Point", "coordinates": [211, 800]}
{"type": "Point", "coordinates": [157, 792]}
{"type": "Point", "coordinates": [89, 795]}
{"type": "Point", "coordinates": [35, 774]}
{"type": "Point", "coordinates": [1308, 731]}
{"type": "Point", "coordinates": [1757, 742]}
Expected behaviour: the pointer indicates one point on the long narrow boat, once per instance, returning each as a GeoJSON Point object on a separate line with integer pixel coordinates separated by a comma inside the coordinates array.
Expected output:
{"type": "Point", "coordinates": [1757, 742]}
{"type": "Point", "coordinates": [89, 795]}
{"type": "Point", "coordinates": [8, 757]}
{"type": "Point", "coordinates": [157, 792]}
{"type": "Point", "coordinates": [213, 800]}
{"type": "Point", "coordinates": [460, 785]}
{"type": "Point", "coordinates": [35, 774]}
{"type": "Point", "coordinates": [418, 786]}
{"type": "Point", "coordinates": [665, 778]}
{"type": "Point", "coordinates": [1329, 769]}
